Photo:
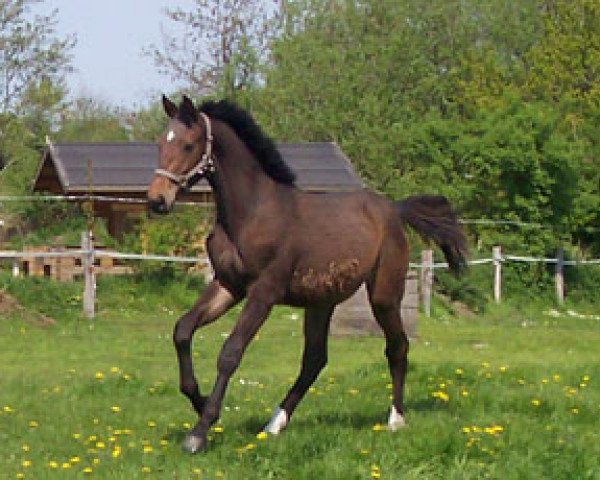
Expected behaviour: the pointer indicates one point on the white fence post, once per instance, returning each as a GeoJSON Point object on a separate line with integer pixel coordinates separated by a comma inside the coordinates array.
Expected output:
{"type": "Point", "coordinates": [426, 280]}
{"type": "Point", "coordinates": [497, 258]}
{"type": "Point", "coordinates": [89, 283]}
{"type": "Point", "coordinates": [559, 278]}
{"type": "Point", "coordinates": [16, 267]}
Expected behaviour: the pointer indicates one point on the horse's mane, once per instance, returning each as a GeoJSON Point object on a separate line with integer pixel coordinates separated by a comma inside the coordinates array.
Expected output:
{"type": "Point", "coordinates": [250, 133]}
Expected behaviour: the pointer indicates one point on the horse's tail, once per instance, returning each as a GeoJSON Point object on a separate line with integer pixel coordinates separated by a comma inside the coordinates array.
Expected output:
{"type": "Point", "coordinates": [433, 218]}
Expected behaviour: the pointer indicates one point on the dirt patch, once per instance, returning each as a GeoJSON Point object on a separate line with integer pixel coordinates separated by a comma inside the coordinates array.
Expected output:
{"type": "Point", "coordinates": [10, 305]}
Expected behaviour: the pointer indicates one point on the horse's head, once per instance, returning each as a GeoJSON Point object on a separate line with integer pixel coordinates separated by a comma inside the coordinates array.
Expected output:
{"type": "Point", "coordinates": [185, 154]}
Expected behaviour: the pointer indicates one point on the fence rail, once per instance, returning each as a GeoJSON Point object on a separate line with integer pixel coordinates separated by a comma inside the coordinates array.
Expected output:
{"type": "Point", "coordinates": [87, 253]}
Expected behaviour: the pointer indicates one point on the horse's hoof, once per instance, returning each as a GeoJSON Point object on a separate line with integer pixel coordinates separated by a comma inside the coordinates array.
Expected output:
{"type": "Point", "coordinates": [396, 420]}
{"type": "Point", "coordinates": [193, 444]}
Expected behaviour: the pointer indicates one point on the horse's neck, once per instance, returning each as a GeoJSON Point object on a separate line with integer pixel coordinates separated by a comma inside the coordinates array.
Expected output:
{"type": "Point", "coordinates": [240, 186]}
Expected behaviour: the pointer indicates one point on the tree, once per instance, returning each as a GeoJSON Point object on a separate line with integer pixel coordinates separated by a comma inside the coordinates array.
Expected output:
{"type": "Point", "coordinates": [221, 48]}
{"type": "Point", "coordinates": [90, 120]}
{"type": "Point", "coordinates": [29, 51]}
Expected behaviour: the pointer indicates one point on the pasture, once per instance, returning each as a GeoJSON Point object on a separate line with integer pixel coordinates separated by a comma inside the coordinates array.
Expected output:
{"type": "Point", "coordinates": [510, 394]}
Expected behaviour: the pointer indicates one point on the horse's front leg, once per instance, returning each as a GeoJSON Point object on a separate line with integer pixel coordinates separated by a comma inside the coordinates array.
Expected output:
{"type": "Point", "coordinates": [255, 311]}
{"type": "Point", "coordinates": [214, 302]}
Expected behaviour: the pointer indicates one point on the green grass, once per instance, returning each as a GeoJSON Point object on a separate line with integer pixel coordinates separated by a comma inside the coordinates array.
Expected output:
{"type": "Point", "coordinates": [513, 394]}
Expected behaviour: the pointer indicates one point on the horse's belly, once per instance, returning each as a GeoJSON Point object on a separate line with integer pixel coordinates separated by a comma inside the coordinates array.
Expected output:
{"type": "Point", "coordinates": [330, 284]}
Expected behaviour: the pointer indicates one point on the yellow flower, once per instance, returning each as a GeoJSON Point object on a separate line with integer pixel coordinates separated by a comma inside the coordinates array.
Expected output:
{"type": "Point", "coordinates": [459, 371]}
{"type": "Point", "coordinates": [353, 391]}
{"type": "Point", "coordinates": [25, 447]}
{"type": "Point", "coordinates": [52, 464]}
{"type": "Point", "coordinates": [443, 396]}
{"type": "Point", "coordinates": [464, 393]}
{"type": "Point", "coordinates": [466, 429]}
{"type": "Point", "coordinates": [556, 377]}
{"type": "Point", "coordinates": [87, 470]}
{"type": "Point", "coordinates": [503, 369]}
{"type": "Point", "coordinates": [146, 469]}
{"type": "Point", "coordinates": [26, 463]}
{"type": "Point", "coordinates": [262, 436]}
{"type": "Point", "coordinates": [66, 465]}
{"type": "Point", "coordinates": [75, 460]}
{"type": "Point", "coordinates": [33, 424]}
{"type": "Point", "coordinates": [535, 402]}
{"type": "Point", "coordinates": [115, 409]}
{"type": "Point", "coordinates": [100, 445]}
{"type": "Point", "coordinates": [8, 409]}
{"type": "Point", "coordinates": [151, 423]}
{"type": "Point", "coordinates": [379, 428]}
{"type": "Point", "coordinates": [114, 370]}
{"type": "Point", "coordinates": [116, 453]}
{"type": "Point", "coordinates": [99, 376]}
{"type": "Point", "coordinates": [217, 429]}
{"type": "Point", "coordinates": [574, 410]}
{"type": "Point", "coordinates": [147, 449]}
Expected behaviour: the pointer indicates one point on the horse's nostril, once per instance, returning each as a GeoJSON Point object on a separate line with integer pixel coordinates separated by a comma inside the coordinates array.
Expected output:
{"type": "Point", "coordinates": [158, 205]}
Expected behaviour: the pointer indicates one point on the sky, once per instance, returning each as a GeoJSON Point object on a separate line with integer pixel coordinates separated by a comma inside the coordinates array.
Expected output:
{"type": "Point", "coordinates": [108, 59]}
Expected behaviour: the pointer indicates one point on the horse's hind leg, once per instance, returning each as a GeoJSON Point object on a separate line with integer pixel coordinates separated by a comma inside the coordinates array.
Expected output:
{"type": "Point", "coordinates": [214, 302]}
{"type": "Point", "coordinates": [314, 359]}
{"type": "Point", "coordinates": [386, 308]}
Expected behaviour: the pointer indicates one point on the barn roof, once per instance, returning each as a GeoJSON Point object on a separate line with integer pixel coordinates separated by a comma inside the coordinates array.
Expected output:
{"type": "Point", "coordinates": [128, 168]}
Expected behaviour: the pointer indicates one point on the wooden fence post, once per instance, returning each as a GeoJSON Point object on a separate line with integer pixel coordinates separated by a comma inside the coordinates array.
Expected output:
{"type": "Point", "coordinates": [89, 279]}
{"type": "Point", "coordinates": [16, 267]}
{"type": "Point", "coordinates": [559, 278]}
{"type": "Point", "coordinates": [426, 280]}
{"type": "Point", "coordinates": [497, 256]}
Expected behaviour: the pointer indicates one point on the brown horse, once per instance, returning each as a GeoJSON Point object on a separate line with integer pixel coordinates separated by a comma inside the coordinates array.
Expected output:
{"type": "Point", "coordinates": [274, 244]}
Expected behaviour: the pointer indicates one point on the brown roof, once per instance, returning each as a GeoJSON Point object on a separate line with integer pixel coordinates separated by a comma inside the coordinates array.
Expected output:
{"type": "Point", "coordinates": [129, 167]}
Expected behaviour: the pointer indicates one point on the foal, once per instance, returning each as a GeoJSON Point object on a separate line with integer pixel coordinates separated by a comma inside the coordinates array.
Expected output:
{"type": "Point", "coordinates": [274, 244]}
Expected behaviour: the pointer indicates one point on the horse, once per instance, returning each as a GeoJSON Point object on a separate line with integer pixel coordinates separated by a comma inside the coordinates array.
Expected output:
{"type": "Point", "coordinates": [274, 244]}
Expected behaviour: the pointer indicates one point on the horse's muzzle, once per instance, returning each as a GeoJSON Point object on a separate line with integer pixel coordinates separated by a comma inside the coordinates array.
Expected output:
{"type": "Point", "coordinates": [158, 205]}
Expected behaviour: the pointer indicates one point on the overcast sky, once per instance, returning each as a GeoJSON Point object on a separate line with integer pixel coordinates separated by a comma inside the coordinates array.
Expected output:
{"type": "Point", "coordinates": [111, 34]}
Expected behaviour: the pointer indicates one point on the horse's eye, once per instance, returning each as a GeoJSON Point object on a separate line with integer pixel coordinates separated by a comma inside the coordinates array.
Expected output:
{"type": "Point", "coordinates": [188, 147]}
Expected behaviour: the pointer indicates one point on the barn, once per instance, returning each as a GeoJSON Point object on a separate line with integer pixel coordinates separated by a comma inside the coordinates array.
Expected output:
{"type": "Point", "coordinates": [121, 172]}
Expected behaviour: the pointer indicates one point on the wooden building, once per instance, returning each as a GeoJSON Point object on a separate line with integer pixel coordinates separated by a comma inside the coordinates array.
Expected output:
{"type": "Point", "coordinates": [122, 171]}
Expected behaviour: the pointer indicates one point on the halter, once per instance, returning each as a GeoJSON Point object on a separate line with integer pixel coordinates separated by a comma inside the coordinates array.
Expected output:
{"type": "Point", "coordinates": [204, 166]}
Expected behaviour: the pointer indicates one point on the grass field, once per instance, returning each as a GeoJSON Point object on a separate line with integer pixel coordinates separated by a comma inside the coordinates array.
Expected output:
{"type": "Point", "coordinates": [512, 394]}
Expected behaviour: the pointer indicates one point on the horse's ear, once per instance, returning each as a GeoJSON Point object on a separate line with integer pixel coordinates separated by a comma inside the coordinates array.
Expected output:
{"type": "Point", "coordinates": [189, 109]}
{"type": "Point", "coordinates": [169, 106]}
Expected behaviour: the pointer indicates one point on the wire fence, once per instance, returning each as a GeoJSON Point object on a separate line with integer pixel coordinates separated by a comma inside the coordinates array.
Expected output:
{"type": "Point", "coordinates": [88, 253]}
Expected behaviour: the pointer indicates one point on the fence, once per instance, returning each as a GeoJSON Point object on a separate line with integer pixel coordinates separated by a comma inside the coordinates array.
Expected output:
{"type": "Point", "coordinates": [88, 253]}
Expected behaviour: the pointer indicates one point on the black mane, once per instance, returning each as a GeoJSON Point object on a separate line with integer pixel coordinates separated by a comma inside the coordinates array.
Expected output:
{"type": "Point", "coordinates": [260, 145]}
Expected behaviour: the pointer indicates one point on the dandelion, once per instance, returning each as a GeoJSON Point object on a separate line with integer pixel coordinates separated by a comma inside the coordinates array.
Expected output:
{"type": "Point", "coordinates": [262, 436]}
{"type": "Point", "coordinates": [574, 410]}
{"type": "Point", "coordinates": [20, 475]}
{"type": "Point", "coordinates": [52, 464]}
{"type": "Point", "coordinates": [115, 409]}
{"type": "Point", "coordinates": [76, 436]}
{"type": "Point", "coordinates": [116, 453]}
{"type": "Point", "coordinates": [535, 402]}
{"type": "Point", "coordinates": [556, 377]}
{"type": "Point", "coordinates": [87, 470]}
{"type": "Point", "coordinates": [466, 430]}
{"type": "Point", "coordinates": [375, 472]}
{"type": "Point", "coordinates": [459, 371]}
{"type": "Point", "coordinates": [99, 376]}
{"type": "Point", "coordinates": [33, 424]}
{"type": "Point", "coordinates": [503, 369]}
{"type": "Point", "coordinates": [353, 391]}
{"type": "Point", "coordinates": [378, 427]}
{"type": "Point", "coordinates": [151, 423]}
{"type": "Point", "coordinates": [26, 463]}
{"type": "Point", "coordinates": [25, 447]}
{"type": "Point", "coordinates": [74, 460]}
{"type": "Point", "coordinates": [100, 445]}
{"type": "Point", "coordinates": [364, 451]}
{"type": "Point", "coordinates": [66, 465]}
{"type": "Point", "coordinates": [146, 470]}
{"type": "Point", "coordinates": [163, 443]}
{"type": "Point", "coordinates": [443, 396]}
{"type": "Point", "coordinates": [7, 409]}
{"type": "Point", "coordinates": [520, 381]}
{"type": "Point", "coordinates": [114, 370]}
{"type": "Point", "coordinates": [464, 393]}
{"type": "Point", "coordinates": [147, 449]}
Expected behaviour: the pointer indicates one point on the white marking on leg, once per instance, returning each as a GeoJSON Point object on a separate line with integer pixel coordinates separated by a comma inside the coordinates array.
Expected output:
{"type": "Point", "coordinates": [170, 136]}
{"type": "Point", "coordinates": [278, 422]}
{"type": "Point", "coordinates": [396, 420]}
